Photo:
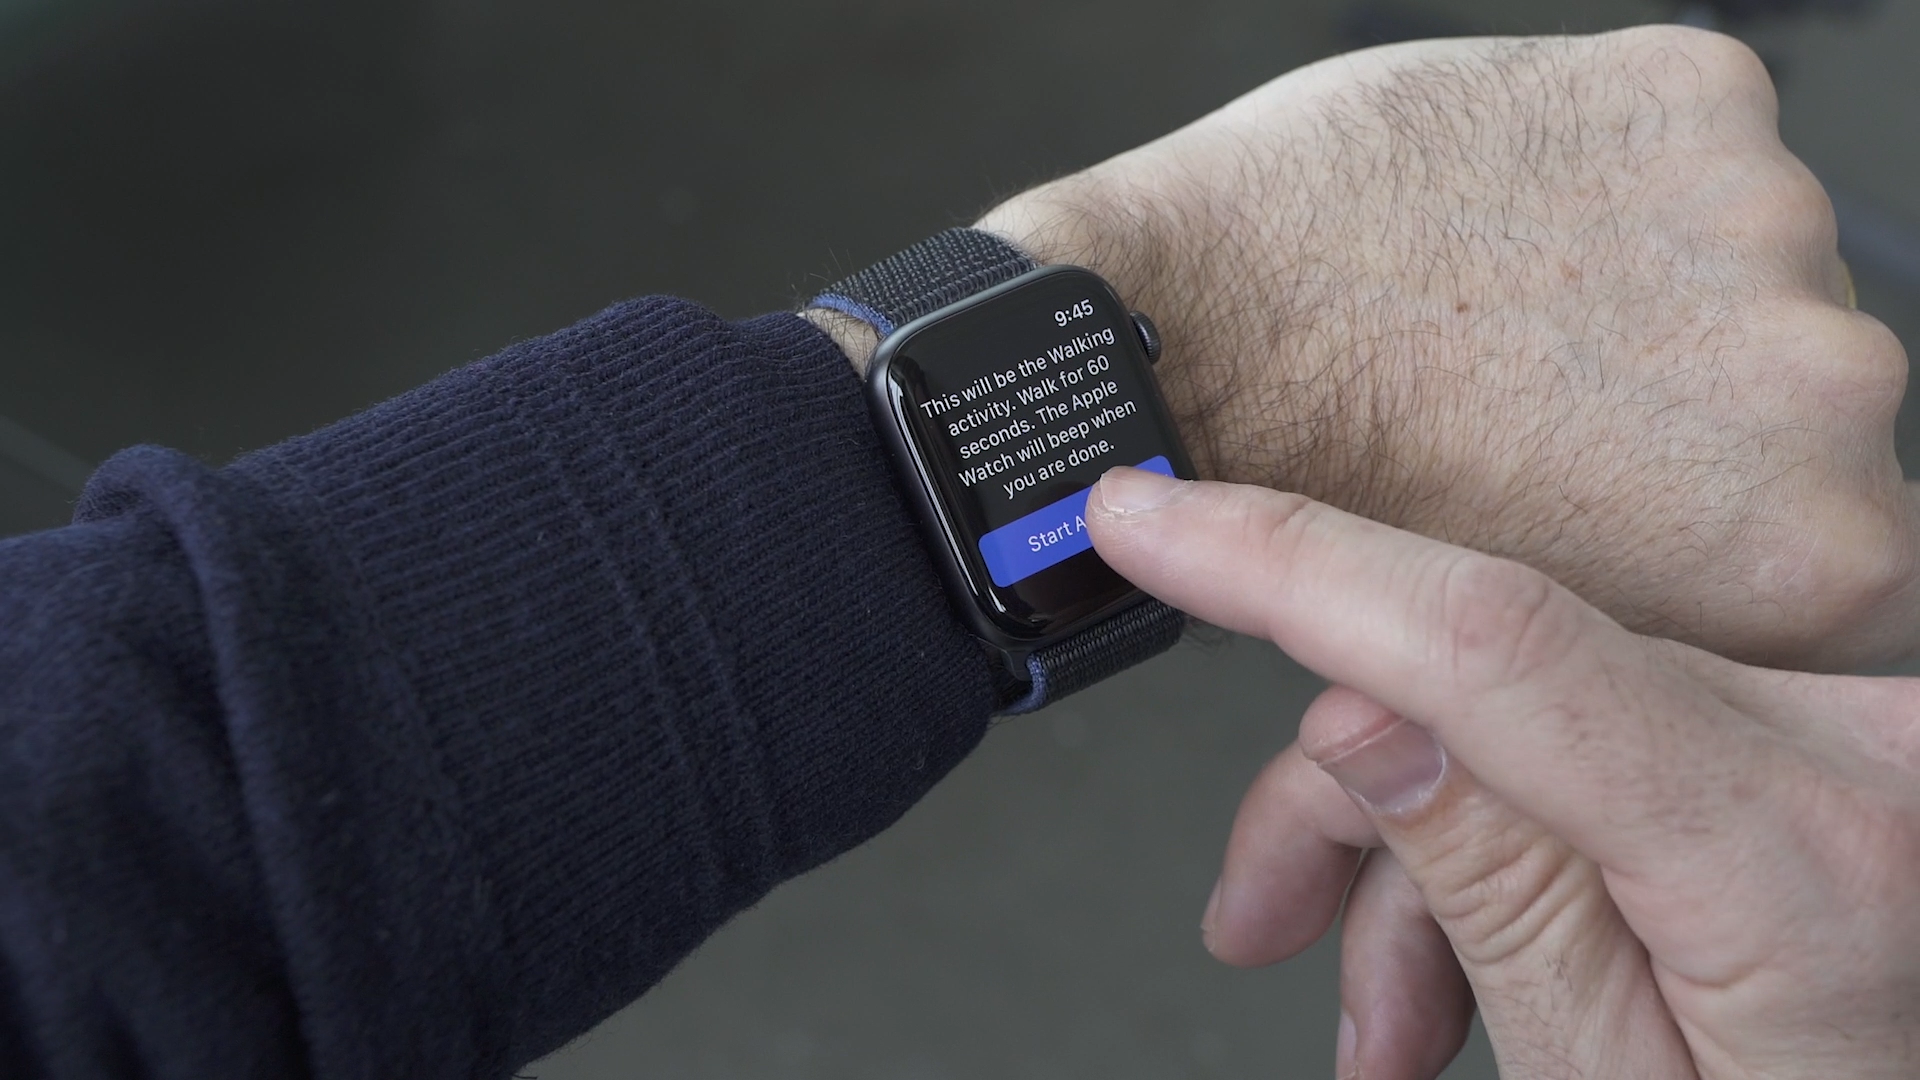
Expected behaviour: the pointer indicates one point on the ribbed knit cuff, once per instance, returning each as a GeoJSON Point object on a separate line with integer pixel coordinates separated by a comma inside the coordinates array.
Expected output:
{"type": "Point", "coordinates": [664, 623]}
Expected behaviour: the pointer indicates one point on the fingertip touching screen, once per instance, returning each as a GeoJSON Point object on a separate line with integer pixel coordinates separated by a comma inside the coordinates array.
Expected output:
{"type": "Point", "coordinates": [1011, 409]}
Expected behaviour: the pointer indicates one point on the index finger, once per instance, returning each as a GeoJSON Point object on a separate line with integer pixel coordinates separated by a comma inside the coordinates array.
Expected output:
{"type": "Point", "coordinates": [1547, 701]}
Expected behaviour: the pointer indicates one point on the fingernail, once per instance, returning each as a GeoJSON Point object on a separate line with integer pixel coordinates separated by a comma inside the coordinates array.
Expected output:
{"type": "Point", "coordinates": [1395, 772]}
{"type": "Point", "coordinates": [1135, 491]}
{"type": "Point", "coordinates": [1206, 919]}
{"type": "Point", "coordinates": [1345, 1047]}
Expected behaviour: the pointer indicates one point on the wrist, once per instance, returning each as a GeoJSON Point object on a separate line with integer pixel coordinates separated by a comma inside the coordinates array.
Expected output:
{"type": "Point", "coordinates": [1088, 220]}
{"type": "Point", "coordinates": [1080, 221]}
{"type": "Point", "coordinates": [856, 338]}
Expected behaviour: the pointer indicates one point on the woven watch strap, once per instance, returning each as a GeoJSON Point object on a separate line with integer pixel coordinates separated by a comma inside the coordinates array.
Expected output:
{"type": "Point", "coordinates": [1137, 634]}
{"type": "Point", "coordinates": [944, 269]}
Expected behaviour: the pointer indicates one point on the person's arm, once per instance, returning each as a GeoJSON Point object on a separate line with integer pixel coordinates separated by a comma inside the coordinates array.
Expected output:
{"type": "Point", "coordinates": [1641, 859]}
{"type": "Point", "coordinates": [1569, 301]}
{"type": "Point", "coordinates": [418, 745]}
{"type": "Point", "coordinates": [429, 740]}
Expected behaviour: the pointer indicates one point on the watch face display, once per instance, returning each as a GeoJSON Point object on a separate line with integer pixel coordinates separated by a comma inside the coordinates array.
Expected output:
{"type": "Point", "coordinates": [1007, 410]}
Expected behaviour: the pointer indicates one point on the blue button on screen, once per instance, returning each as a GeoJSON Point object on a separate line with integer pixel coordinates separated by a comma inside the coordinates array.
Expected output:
{"type": "Point", "coordinates": [1052, 534]}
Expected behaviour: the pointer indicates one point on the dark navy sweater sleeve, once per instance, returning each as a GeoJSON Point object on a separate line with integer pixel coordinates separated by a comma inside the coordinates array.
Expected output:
{"type": "Point", "coordinates": [416, 746]}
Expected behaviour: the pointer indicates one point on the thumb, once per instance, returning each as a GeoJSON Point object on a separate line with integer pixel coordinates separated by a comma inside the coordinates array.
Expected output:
{"type": "Point", "coordinates": [1563, 986]}
{"type": "Point", "coordinates": [1569, 718]}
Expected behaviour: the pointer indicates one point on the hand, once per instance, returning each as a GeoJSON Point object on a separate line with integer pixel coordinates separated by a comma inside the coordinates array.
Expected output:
{"type": "Point", "coordinates": [1648, 861]}
{"type": "Point", "coordinates": [1567, 301]}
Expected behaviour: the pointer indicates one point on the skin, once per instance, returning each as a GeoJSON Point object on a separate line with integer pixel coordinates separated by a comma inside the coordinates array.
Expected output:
{"type": "Point", "coordinates": [1570, 304]}
{"type": "Point", "coordinates": [1645, 860]}
{"type": "Point", "coordinates": [1564, 300]}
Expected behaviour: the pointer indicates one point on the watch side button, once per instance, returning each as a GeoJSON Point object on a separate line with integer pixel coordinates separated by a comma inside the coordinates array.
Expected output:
{"type": "Point", "coordinates": [1149, 335]}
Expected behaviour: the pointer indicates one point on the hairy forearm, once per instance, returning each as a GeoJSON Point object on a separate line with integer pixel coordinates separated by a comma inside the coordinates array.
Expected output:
{"type": "Point", "coordinates": [1238, 316]}
{"type": "Point", "coordinates": [1567, 301]}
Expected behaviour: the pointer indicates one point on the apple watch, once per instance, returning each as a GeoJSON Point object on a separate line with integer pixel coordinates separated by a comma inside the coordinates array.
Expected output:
{"type": "Point", "coordinates": [1002, 390]}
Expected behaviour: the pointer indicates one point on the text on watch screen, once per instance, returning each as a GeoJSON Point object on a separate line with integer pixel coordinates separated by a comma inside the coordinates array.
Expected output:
{"type": "Point", "coordinates": [1020, 406]}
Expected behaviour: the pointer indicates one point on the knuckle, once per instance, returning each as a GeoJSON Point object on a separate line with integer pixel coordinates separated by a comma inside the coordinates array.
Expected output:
{"type": "Point", "coordinates": [1876, 362]}
{"type": "Point", "coordinates": [1880, 351]}
{"type": "Point", "coordinates": [1713, 66]}
{"type": "Point", "coordinates": [1722, 60]}
{"type": "Point", "coordinates": [1729, 62]}
{"type": "Point", "coordinates": [1274, 524]}
{"type": "Point", "coordinates": [1505, 893]}
{"type": "Point", "coordinates": [1652, 38]}
{"type": "Point", "coordinates": [1843, 574]}
{"type": "Point", "coordinates": [1851, 360]}
{"type": "Point", "coordinates": [1505, 624]}
{"type": "Point", "coordinates": [1862, 558]}
{"type": "Point", "coordinates": [1788, 208]}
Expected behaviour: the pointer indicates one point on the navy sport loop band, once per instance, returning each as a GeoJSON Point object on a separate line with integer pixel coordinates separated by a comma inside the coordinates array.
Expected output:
{"type": "Point", "coordinates": [945, 269]}
{"type": "Point", "coordinates": [1107, 648]}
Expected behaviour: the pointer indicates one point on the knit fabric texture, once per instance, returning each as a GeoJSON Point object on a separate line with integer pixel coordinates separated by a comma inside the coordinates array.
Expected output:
{"type": "Point", "coordinates": [416, 746]}
{"type": "Point", "coordinates": [943, 269]}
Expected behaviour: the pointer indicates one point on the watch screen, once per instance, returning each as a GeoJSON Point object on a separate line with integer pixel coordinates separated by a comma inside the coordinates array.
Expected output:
{"type": "Point", "coordinates": [1012, 407]}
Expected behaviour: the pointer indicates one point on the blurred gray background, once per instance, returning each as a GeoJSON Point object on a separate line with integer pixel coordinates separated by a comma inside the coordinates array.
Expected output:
{"type": "Point", "coordinates": [223, 222]}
